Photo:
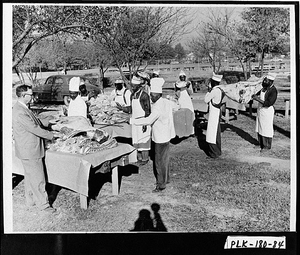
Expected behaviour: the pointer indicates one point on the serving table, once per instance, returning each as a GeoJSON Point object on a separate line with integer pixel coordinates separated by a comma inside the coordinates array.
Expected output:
{"type": "Point", "coordinates": [183, 123]}
{"type": "Point", "coordinates": [72, 170]}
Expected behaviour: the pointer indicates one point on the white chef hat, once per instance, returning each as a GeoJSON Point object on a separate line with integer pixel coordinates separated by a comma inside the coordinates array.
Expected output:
{"type": "Point", "coordinates": [156, 72]}
{"type": "Point", "coordinates": [156, 85]}
{"type": "Point", "coordinates": [74, 84]}
{"type": "Point", "coordinates": [217, 77]}
{"type": "Point", "coordinates": [136, 80]}
{"type": "Point", "coordinates": [271, 76]}
{"type": "Point", "coordinates": [119, 80]}
{"type": "Point", "coordinates": [182, 73]}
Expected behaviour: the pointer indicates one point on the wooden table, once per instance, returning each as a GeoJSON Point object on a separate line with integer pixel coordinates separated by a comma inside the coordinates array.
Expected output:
{"type": "Point", "coordinates": [72, 170]}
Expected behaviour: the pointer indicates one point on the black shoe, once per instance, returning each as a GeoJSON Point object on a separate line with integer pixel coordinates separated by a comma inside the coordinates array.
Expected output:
{"type": "Point", "coordinates": [157, 189]}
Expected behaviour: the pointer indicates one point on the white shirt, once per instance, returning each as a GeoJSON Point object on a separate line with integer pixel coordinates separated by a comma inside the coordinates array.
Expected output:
{"type": "Point", "coordinates": [161, 119]}
{"type": "Point", "coordinates": [77, 107]}
{"type": "Point", "coordinates": [118, 96]}
{"type": "Point", "coordinates": [215, 95]}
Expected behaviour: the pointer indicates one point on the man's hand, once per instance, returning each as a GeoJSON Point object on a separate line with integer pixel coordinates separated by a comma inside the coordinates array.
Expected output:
{"type": "Point", "coordinates": [255, 97]}
{"type": "Point", "coordinates": [120, 107]}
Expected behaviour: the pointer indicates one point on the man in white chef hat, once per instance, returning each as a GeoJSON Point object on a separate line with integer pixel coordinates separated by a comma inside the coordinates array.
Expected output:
{"type": "Point", "coordinates": [77, 106]}
{"type": "Point", "coordinates": [266, 99]}
{"type": "Point", "coordinates": [213, 134]}
{"type": "Point", "coordinates": [161, 120]}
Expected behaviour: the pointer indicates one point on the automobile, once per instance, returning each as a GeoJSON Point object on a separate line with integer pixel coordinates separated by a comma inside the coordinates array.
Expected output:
{"type": "Point", "coordinates": [56, 89]}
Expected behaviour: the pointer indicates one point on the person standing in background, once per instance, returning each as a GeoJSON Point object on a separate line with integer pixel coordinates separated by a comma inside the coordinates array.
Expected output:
{"type": "Point", "coordinates": [77, 106]}
{"type": "Point", "coordinates": [266, 99]}
{"type": "Point", "coordinates": [28, 133]}
{"type": "Point", "coordinates": [140, 108]}
{"type": "Point", "coordinates": [183, 90]}
{"type": "Point", "coordinates": [121, 95]}
{"type": "Point", "coordinates": [161, 120]}
{"type": "Point", "coordinates": [213, 134]}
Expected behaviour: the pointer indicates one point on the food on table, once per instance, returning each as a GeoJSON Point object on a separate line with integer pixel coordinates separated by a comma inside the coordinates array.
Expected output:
{"type": "Point", "coordinates": [82, 142]}
{"type": "Point", "coordinates": [102, 111]}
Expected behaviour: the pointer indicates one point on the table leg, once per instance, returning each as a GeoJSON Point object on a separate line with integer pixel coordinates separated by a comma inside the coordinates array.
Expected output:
{"type": "Point", "coordinates": [83, 201]}
{"type": "Point", "coordinates": [115, 181]}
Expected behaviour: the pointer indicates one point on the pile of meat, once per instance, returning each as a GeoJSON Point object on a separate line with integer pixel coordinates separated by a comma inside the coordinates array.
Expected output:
{"type": "Point", "coordinates": [102, 111]}
{"type": "Point", "coordinates": [241, 92]}
{"type": "Point", "coordinates": [74, 135]}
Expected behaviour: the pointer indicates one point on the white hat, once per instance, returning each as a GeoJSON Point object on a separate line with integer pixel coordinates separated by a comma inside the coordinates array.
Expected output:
{"type": "Point", "coordinates": [156, 85]}
{"type": "Point", "coordinates": [74, 84]}
{"type": "Point", "coordinates": [136, 80]}
{"type": "Point", "coordinates": [156, 72]}
{"type": "Point", "coordinates": [217, 77]}
{"type": "Point", "coordinates": [119, 81]}
{"type": "Point", "coordinates": [143, 75]}
{"type": "Point", "coordinates": [182, 73]}
{"type": "Point", "coordinates": [271, 76]}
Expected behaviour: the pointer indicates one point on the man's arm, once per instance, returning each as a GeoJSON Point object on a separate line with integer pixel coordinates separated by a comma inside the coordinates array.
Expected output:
{"type": "Point", "coordinates": [145, 103]}
{"type": "Point", "coordinates": [28, 124]}
{"type": "Point", "coordinates": [145, 121]}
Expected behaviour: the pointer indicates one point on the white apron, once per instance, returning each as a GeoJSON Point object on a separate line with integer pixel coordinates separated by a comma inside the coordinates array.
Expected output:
{"type": "Point", "coordinates": [185, 100]}
{"type": "Point", "coordinates": [212, 125]}
{"type": "Point", "coordinates": [120, 99]}
{"type": "Point", "coordinates": [139, 139]}
{"type": "Point", "coordinates": [264, 119]}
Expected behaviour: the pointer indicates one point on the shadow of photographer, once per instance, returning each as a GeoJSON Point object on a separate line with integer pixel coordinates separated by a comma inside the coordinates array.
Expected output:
{"type": "Point", "coordinates": [146, 223]}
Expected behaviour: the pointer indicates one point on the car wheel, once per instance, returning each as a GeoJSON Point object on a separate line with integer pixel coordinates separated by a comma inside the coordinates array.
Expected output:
{"type": "Point", "coordinates": [66, 100]}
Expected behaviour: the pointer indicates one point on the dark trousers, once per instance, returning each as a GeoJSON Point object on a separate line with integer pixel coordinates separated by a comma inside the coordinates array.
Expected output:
{"type": "Point", "coordinates": [161, 164]}
{"type": "Point", "coordinates": [214, 150]}
{"type": "Point", "coordinates": [264, 142]}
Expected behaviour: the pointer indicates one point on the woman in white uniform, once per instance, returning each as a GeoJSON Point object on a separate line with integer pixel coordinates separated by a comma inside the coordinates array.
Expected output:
{"type": "Point", "coordinates": [213, 134]}
{"type": "Point", "coordinates": [266, 98]}
{"type": "Point", "coordinates": [183, 90]}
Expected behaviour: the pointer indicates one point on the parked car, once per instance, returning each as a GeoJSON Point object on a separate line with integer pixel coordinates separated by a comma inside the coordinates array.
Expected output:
{"type": "Point", "coordinates": [56, 89]}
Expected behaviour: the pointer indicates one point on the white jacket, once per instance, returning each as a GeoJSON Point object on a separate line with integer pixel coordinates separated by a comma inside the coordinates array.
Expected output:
{"type": "Point", "coordinates": [161, 119]}
{"type": "Point", "coordinates": [77, 107]}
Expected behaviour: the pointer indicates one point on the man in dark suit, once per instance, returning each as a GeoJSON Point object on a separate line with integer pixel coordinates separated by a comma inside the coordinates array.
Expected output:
{"type": "Point", "coordinates": [28, 135]}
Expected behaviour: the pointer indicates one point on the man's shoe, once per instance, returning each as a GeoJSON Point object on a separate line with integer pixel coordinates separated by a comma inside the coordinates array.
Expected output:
{"type": "Point", "coordinates": [157, 189]}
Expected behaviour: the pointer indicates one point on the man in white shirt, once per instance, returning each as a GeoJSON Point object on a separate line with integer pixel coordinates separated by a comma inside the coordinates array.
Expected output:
{"type": "Point", "coordinates": [213, 134]}
{"type": "Point", "coordinates": [77, 106]}
{"type": "Point", "coordinates": [161, 119]}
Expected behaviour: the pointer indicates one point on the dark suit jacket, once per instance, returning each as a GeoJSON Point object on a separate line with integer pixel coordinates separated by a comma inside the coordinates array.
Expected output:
{"type": "Point", "coordinates": [28, 133]}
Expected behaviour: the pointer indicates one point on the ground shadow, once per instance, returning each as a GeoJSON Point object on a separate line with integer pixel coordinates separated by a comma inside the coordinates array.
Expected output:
{"type": "Point", "coordinates": [16, 179]}
{"type": "Point", "coordinates": [100, 175]}
{"type": "Point", "coordinates": [146, 223]}
{"type": "Point", "coordinates": [246, 136]}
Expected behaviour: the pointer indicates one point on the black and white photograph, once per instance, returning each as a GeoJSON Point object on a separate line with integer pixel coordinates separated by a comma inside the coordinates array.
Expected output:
{"type": "Point", "coordinates": [150, 118]}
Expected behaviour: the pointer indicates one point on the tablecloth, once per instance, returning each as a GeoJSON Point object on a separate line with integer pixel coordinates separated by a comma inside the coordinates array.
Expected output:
{"type": "Point", "coordinates": [118, 130]}
{"type": "Point", "coordinates": [72, 170]}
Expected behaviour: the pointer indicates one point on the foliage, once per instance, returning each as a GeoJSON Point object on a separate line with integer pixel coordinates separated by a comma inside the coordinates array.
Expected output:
{"type": "Point", "coordinates": [267, 28]}
{"type": "Point", "coordinates": [179, 51]}
{"type": "Point", "coordinates": [32, 23]}
{"type": "Point", "coordinates": [131, 34]}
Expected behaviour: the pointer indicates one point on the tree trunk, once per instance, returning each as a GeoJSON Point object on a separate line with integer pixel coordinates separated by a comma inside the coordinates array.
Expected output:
{"type": "Point", "coordinates": [101, 77]}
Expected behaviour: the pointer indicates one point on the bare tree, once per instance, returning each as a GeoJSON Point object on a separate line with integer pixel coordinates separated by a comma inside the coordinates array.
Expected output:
{"type": "Point", "coordinates": [129, 33]}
